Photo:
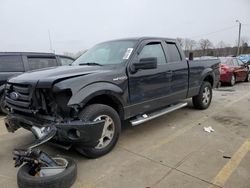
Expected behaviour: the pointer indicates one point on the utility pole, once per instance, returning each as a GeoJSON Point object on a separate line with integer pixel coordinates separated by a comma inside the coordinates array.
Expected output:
{"type": "Point", "coordinates": [238, 51]}
{"type": "Point", "coordinates": [50, 43]}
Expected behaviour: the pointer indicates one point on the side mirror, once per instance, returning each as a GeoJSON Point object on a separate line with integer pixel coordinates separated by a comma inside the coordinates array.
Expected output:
{"type": "Point", "coordinates": [145, 63]}
{"type": "Point", "coordinates": [191, 56]}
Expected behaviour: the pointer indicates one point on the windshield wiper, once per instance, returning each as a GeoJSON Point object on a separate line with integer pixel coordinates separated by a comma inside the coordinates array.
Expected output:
{"type": "Point", "coordinates": [91, 63]}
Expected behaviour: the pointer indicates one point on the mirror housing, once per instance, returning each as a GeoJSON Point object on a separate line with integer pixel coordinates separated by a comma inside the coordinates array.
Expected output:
{"type": "Point", "coordinates": [191, 56]}
{"type": "Point", "coordinates": [145, 63]}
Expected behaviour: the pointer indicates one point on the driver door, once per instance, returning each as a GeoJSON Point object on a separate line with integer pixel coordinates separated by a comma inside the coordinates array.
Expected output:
{"type": "Point", "coordinates": [148, 88]}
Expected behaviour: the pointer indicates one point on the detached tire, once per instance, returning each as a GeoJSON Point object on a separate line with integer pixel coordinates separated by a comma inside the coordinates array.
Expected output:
{"type": "Point", "coordinates": [2, 104]}
{"type": "Point", "coordinates": [111, 130]}
{"type": "Point", "coordinates": [203, 99]}
{"type": "Point", "coordinates": [62, 180]}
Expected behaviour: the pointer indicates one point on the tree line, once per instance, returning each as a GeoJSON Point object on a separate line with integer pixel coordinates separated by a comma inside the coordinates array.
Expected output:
{"type": "Point", "coordinates": [204, 47]}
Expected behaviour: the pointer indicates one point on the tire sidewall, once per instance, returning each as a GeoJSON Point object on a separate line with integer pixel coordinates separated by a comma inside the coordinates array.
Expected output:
{"type": "Point", "coordinates": [208, 85]}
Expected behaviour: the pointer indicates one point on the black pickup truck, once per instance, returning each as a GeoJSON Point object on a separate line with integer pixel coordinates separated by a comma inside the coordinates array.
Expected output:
{"type": "Point", "coordinates": [134, 79]}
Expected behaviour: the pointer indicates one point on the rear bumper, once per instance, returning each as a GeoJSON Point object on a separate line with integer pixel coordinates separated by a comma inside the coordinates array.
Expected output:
{"type": "Point", "coordinates": [72, 132]}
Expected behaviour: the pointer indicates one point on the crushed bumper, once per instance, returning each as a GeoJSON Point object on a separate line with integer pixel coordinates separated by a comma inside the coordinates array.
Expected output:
{"type": "Point", "coordinates": [71, 132]}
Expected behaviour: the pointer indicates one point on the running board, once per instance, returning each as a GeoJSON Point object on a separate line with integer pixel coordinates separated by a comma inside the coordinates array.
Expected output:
{"type": "Point", "coordinates": [146, 117]}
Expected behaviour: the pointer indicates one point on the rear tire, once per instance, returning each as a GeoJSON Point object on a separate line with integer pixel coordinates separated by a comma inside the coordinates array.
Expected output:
{"type": "Point", "coordinates": [203, 99]}
{"type": "Point", "coordinates": [247, 78]}
{"type": "Point", "coordinates": [111, 131]}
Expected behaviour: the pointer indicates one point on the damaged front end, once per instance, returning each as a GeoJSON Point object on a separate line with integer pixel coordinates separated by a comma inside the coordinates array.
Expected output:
{"type": "Point", "coordinates": [40, 109]}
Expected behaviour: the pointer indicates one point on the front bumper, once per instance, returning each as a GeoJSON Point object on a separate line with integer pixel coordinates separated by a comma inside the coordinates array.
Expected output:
{"type": "Point", "coordinates": [71, 132]}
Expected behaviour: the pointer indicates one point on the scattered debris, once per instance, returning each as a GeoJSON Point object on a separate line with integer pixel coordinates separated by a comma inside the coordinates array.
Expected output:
{"type": "Point", "coordinates": [225, 89]}
{"type": "Point", "coordinates": [208, 129]}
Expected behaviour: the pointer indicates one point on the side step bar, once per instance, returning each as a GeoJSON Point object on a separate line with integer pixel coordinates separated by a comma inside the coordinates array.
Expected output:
{"type": "Point", "coordinates": [146, 117]}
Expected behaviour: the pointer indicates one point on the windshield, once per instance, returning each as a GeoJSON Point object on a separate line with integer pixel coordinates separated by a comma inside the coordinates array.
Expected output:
{"type": "Point", "coordinates": [114, 52]}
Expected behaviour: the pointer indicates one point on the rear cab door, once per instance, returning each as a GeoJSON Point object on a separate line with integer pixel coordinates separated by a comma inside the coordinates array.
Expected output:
{"type": "Point", "coordinates": [179, 70]}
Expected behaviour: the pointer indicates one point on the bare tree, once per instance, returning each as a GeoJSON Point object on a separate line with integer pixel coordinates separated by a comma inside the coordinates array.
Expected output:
{"type": "Point", "coordinates": [181, 41]}
{"type": "Point", "coordinates": [189, 44]}
{"type": "Point", "coordinates": [243, 44]}
{"type": "Point", "coordinates": [204, 45]}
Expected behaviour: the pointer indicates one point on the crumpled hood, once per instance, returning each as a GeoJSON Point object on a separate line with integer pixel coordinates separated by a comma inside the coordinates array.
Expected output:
{"type": "Point", "coordinates": [53, 74]}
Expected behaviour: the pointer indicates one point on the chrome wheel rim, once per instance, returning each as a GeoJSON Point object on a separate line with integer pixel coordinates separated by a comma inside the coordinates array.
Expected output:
{"type": "Point", "coordinates": [107, 132]}
{"type": "Point", "coordinates": [206, 95]}
{"type": "Point", "coordinates": [233, 80]}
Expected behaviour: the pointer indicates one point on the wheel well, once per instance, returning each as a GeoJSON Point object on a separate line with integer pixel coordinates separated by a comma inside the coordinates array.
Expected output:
{"type": "Point", "coordinates": [209, 79]}
{"type": "Point", "coordinates": [108, 100]}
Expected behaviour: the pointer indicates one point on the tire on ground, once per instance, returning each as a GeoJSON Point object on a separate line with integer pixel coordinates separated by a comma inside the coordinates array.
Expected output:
{"type": "Point", "coordinates": [198, 99]}
{"type": "Point", "coordinates": [62, 180]}
{"type": "Point", "coordinates": [247, 78]}
{"type": "Point", "coordinates": [90, 113]}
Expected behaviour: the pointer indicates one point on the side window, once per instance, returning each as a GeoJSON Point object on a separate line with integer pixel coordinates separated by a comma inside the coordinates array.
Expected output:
{"type": "Point", "coordinates": [66, 61]}
{"type": "Point", "coordinates": [41, 62]}
{"type": "Point", "coordinates": [11, 63]}
{"type": "Point", "coordinates": [235, 63]}
{"type": "Point", "coordinates": [173, 53]}
{"type": "Point", "coordinates": [153, 50]}
{"type": "Point", "coordinates": [240, 62]}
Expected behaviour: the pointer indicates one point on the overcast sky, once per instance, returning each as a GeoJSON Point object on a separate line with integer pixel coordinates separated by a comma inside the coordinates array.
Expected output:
{"type": "Point", "coordinates": [75, 25]}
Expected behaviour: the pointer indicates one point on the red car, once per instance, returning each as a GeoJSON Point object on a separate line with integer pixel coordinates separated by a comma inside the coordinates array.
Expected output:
{"type": "Point", "coordinates": [233, 70]}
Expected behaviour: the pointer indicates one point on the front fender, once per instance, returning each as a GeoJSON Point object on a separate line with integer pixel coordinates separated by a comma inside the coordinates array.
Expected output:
{"type": "Point", "coordinates": [95, 89]}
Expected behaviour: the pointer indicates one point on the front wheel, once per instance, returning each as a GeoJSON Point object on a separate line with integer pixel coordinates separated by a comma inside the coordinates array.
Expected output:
{"type": "Point", "coordinates": [203, 99]}
{"type": "Point", "coordinates": [233, 80]}
{"type": "Point", "coordinates": [111, 130]}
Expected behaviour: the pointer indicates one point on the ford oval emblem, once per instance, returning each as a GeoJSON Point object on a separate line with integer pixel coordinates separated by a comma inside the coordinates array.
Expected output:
{"type": "Point", "coordinates": [14, 95]}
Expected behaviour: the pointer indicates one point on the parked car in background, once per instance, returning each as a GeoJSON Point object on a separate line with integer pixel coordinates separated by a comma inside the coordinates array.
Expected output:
{"type": "Point", "coordinates": [233, 70]}
{"type": "Point", "coordinates": [245, 58]}
{"type": "Point", "coordinates": [15, 63]}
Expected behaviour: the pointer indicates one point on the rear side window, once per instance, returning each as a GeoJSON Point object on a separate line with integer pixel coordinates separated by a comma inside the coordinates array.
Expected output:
{"type": "Point", "coordinates": [41, 62]}
{"type": "Point", "coordinates": [173, 54]}
{"type": "Point", "coordinates": [10, 63]}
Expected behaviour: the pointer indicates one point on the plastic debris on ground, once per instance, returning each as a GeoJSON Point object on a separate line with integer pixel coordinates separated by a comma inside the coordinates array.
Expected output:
{"type": "Point", "coordinates": [208, 129]}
